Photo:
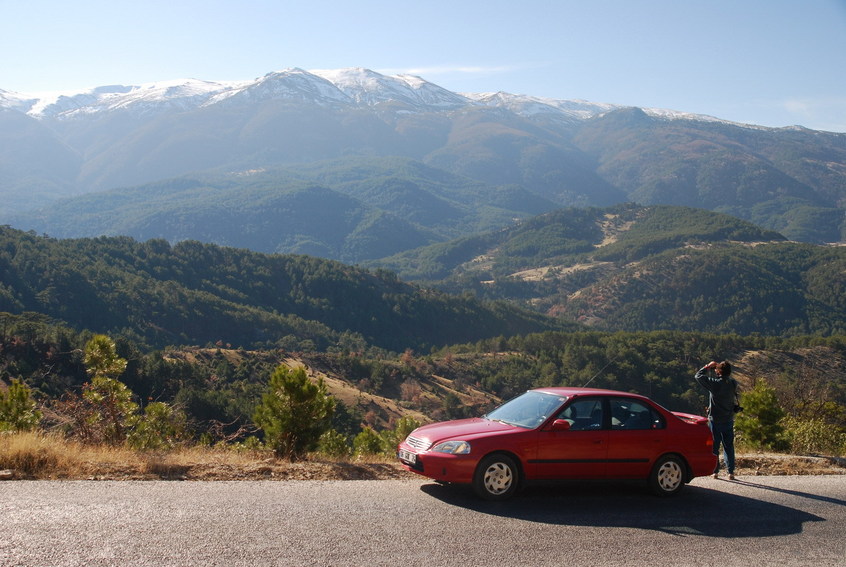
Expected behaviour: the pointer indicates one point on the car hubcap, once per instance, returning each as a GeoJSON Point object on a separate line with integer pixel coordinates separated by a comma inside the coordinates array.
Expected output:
{"type": "Point", "coordinates": [498, 478]}
{"type": "Point", "coordinates": [669, 476]}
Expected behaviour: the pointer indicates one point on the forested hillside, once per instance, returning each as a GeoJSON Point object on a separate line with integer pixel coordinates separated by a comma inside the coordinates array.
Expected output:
{"type": "Point", "coordinates": [626, 268]}
{"type": "Point", "coordinates": [348, 209]}
{"type": "Point", "coordinates": [622, 233]}
{"type": "Point", "coordinates": [217, 389]}
{"type": "Point", "coordinates": [193, 293]}
{"type": "Point", "coordinates": [750, 173]}
{"type": "Point", "coordinates": [634, 268]}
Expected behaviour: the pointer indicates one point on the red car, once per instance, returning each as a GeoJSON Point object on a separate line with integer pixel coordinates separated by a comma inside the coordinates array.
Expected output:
{"type": "Point", "coordinates": [564, 433]}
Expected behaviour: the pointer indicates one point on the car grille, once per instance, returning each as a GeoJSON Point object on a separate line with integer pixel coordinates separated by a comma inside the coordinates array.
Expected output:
{"type": "Point", "coordinates": [417, 443]}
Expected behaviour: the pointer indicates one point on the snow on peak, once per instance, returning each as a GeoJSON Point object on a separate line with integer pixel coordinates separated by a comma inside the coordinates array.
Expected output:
{"type": "Point", "coordinates": [16, 101]}
{"type": "Point", "coordinates": [370, 88]}
{"type": "Point", "coordinates": [179, 93]}
{"type": "Point", "coordinates": [525, 105]}
{"type": "Point", "coordinates": [354, 86]}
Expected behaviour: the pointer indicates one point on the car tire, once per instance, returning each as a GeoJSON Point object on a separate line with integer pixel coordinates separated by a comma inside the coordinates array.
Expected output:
{"type": "Point", "coordinates": [497, 477]}
{"type": "Point", "coordinates": [668, 476]}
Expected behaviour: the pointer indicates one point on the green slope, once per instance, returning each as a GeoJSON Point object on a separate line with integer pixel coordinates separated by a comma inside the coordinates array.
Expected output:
{"type": "Point", "coordinates": [639, 268]}
{"type": "Point", "coordinates": [194, 293]}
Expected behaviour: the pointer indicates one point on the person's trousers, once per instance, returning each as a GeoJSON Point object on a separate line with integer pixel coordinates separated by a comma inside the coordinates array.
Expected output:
{"type": "Point", "coordinates": [723, 434]}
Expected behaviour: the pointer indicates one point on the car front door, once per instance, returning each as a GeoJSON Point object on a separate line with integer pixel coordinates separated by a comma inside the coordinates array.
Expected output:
{"type": "Point", "coordinates": [578, 450]}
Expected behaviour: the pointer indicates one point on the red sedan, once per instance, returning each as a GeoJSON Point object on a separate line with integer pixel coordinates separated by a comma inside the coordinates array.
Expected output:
{"type": "Point", "coordinates": [564, 433]}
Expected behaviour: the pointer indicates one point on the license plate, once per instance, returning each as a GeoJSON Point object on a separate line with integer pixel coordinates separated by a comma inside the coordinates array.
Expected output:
{"type": "Point", "coordinates": [407, 456]}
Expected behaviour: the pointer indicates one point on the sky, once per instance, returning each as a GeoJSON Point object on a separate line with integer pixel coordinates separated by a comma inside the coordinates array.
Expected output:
{"type": "Point", "coordinates": [767, 62]}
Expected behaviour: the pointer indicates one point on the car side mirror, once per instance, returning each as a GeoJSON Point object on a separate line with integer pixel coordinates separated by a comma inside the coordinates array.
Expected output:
{"type": "Point", "coordinates": [561, 425]}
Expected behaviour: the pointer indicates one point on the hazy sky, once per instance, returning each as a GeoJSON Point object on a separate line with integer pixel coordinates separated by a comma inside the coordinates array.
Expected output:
{"type": "Point", "coordinates": [768, 62]}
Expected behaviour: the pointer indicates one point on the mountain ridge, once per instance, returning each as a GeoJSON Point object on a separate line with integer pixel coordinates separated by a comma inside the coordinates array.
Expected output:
{"type": "Point", "coordinates": [353, 85]}
{"type": "Point", "coordinates": [554, 153]}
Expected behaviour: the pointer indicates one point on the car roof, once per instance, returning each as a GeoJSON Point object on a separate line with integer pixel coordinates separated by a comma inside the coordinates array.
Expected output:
{"type": "Point", "coordinates": [577, 392]}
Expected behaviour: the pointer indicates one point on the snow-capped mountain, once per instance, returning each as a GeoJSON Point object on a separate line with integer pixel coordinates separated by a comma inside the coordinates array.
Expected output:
{"type": "Point", "coordinates": [340, 87]}
{"type": "Point", "coordinates": [334, 87]}
{"type": "Point", "coordinates": [505, 155]}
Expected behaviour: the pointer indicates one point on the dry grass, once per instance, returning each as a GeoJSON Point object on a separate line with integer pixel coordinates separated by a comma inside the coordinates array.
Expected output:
{"type": "Point", "coordinates": [45, 456]}
{"type": "Point", "coordinates": [36, 455]}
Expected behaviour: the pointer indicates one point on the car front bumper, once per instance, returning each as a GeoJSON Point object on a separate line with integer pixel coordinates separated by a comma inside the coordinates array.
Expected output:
{"type": "Point", "coordinates": [442, 467]}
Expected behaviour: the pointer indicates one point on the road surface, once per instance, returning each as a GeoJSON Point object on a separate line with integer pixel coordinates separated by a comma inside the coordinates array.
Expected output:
{"type": "Point", "coordinates": [784, 521]}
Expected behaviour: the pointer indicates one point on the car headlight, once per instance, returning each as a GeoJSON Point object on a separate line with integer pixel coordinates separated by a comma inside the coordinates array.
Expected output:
{"type": "Point", "coordinates": [453, 447]}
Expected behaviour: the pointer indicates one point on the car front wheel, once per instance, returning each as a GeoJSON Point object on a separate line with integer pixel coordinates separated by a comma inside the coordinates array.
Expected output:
{"type": "Point", "coordinates": [667, 476]}
{"type": "Point", "coordinates": [497, 477]}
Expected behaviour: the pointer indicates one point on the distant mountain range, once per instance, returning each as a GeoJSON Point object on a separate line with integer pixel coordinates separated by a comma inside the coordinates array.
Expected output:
{"type": "Point", "coordinates": [354, 165]}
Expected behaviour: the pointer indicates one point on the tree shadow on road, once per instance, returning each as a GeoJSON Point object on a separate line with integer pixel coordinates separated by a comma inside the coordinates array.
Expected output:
{"type": "Point", "coordinates": [696, 511]}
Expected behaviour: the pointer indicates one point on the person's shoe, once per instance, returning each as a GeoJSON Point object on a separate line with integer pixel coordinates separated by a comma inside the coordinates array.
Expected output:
{"type": "Point", "coordinates": [731, 476]}
{"type": "Point", "coordinates": [716, 475]}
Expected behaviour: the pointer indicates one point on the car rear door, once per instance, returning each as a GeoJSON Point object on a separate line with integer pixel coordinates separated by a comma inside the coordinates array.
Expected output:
{"type": "Point", "coordinates": [637, 437]}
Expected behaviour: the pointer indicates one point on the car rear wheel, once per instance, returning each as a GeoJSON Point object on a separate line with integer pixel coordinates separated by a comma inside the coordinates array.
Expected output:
{"type": "Point", "coordinates": [497, 477]}
{"type": "Point", "coordinates": [667, 477]}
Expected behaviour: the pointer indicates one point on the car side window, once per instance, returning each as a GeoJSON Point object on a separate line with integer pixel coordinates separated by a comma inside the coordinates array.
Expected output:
{"type": "Point", "coordinates": [583, 415]}
{"type": "Point", "coordinates": [633, 414]}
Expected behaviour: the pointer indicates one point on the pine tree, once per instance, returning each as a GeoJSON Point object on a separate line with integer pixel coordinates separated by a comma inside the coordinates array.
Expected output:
{"type": "Point", "coordinates": [294, 412]}
{"type": "Point", "coordinates": [114, 409]}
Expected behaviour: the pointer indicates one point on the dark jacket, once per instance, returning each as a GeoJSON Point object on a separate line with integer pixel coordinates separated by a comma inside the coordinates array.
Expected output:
{"type": "Point", "coordinates": [722, 395]}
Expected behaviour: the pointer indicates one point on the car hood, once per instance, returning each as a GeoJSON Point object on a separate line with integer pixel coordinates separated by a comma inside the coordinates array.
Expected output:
{"type": "Point", "coordinates": [462, 428]}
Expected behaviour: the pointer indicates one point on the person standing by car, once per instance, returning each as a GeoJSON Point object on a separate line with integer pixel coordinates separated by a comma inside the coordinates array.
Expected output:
{"type": "Point", "coordinates": [722, 396]}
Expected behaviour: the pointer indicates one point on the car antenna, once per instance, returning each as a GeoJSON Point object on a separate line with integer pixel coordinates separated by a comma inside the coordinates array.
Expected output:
{"type": "Point", "coordinates": [600, 370]}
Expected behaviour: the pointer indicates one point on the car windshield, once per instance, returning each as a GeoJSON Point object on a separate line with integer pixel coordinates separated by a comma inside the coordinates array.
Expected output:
{"type": "Point", "coordinates": [528, 410]}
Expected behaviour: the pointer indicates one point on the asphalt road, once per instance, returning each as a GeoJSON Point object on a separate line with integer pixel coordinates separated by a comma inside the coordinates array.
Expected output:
{"type": "Point", "coordinates": [782, 521]}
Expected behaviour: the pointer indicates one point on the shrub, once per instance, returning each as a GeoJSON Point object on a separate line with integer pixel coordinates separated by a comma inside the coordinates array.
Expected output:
{"type": "Point", "coordinates": [404, 426]}
{"type": "Point", "coordinates": [815, 436]}
{"type": "Point", "coordinates": [368, 442]}
{"type": "Point", "coordinates": [17, 408]}
{"type": "Point", "coordinates": [334, 444]}
{"type": "Point", "coordinates": [392, 437]}
{"type": "Point", "coordinates": [760, 422]}
{"type": "Point", "coordinates": [161, 427]}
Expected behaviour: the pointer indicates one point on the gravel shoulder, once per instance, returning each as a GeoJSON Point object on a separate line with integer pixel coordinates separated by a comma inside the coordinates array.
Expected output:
{"type": "Point", "coordinates": [162, 467]}
{"type": "Point", "coordinates": [747, 465]}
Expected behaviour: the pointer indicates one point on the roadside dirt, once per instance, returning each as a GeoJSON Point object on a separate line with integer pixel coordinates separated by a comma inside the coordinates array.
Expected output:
{"type": "Point", "coordinates": [774, 464]}
{"type": "Point", "coordinates": [747, 465]}
{"type": "Point", "coordinates": [763, 464]}
{"type": "Point", "coordinates": [282, 470]}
